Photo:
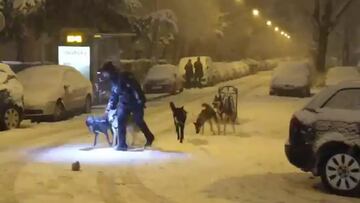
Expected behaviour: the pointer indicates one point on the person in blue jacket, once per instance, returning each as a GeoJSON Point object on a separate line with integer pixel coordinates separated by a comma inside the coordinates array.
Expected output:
{"type": "Point", "coordinates": [128, 99]}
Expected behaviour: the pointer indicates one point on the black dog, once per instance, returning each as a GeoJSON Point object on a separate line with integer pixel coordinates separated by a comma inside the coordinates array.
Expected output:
{"type": "Point", "coordinates": [98, 125]}
{"type": "Point", "coordinates": [208, 114]}
{"type": "Point", "coordinates": [179, 115]}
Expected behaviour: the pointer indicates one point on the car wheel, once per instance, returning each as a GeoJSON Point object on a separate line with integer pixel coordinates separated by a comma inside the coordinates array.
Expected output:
{"type": "Point", "coordinates": [87, 106]}
{"type": "Point", "coordinates": [59, 112]}
{"type": "Point", "coordinates": [340, 174]}
{"type": "Point", "coordinates": [10, 118]}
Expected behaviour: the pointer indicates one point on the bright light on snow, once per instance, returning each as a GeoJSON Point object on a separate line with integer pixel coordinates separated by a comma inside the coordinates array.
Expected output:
{"type": "Point", "coordinates": [81, 153]}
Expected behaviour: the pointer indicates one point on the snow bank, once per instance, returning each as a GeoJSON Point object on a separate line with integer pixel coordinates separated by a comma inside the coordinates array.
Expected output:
{"type": "Point", "coordinates": [294, 74]}
{"type": "Point", "coordinates": [340, 74]}
{"type": "Point", "coordinates": [231, 70]}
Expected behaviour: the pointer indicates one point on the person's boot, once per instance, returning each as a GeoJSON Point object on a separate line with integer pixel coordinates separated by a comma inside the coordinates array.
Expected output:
{"type": "Point", "coordinates": [121, 148]}
{"type": "Point", "coordinates": [149, 142]}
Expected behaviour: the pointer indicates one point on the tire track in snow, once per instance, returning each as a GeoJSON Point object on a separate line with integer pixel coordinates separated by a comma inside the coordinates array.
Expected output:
{"type": "Point", "coordinates": [11, 169]}
{"type": "Point", "coordinates": [107, 189]}
{"type": "Point", "coordinates": [140, 190]}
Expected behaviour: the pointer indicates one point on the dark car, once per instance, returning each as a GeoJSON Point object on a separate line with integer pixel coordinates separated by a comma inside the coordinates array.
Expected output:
{"type": "Point", "coordinates": [325, 138]}
{"type": "Point", "coordinates": [163, 79]}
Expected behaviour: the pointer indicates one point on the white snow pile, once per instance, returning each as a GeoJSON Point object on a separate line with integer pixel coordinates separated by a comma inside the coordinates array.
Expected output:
{"type": "Point", "coordinates": [162, 72]}
{"type": "Point", "coordinates": [231, 70]}
{"type": "Point", "coordinates": [9, 82]}
{"type": "Point", "coordinates": [293, 74]}
{"type": "Point", "coordinates": [340, 74]}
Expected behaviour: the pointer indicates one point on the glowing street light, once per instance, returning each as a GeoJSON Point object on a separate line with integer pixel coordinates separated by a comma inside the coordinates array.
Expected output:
{"type": "Point", "coordinates": [268, 23]}
{"type": "Point", "coordinates": [276, 29]}
{"type": "Point", "coordinates": [239, 1]}
{"type": "Point", "coordinates": [282, 33]}
{"type": "Point", "coordinates": [255, 12]}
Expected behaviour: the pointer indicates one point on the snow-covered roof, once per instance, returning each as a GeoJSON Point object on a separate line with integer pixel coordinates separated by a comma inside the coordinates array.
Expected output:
{"type": "Point", "coordinates": [291, 73]}
{"type": "Point", "coordinates": [47, 74]}
{"type": "Point", "coordinates": [165, 71]}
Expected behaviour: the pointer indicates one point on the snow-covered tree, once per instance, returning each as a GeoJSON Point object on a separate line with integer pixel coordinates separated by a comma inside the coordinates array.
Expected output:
{"type": "Point", "coordinates": [157, 28]}
{"type": "Point", "coordinates": [17, 14]}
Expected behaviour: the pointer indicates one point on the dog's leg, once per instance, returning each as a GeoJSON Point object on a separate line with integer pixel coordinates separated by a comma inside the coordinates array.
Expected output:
{"type": "Point", "coordinates": [177, 126]}
{"type": "Point", "coordinates": [95, 139]}
{"type": "Point", "coordinates": [115, 137]}
{"type": "Point", "coordinates": [211, 127]}
{"type": "Point", "coordinates": [182, 127]}
{"type": "Point", "coordinates": [107, 138]}
{"type": "Point", "coordinates": [225, 121]}
{"type": "Point", "coordinates": [203, 129]}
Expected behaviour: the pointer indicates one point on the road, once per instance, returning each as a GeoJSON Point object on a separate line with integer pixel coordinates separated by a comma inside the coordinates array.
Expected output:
{"type": "Point", "coordinates": [248, 165]}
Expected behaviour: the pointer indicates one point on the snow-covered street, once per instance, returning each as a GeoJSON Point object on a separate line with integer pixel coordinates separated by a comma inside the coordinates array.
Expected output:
{"type": "Point", "coordinates": [246, 166]}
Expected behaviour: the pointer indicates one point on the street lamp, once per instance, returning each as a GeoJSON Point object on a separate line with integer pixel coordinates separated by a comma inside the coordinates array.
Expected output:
{"type": "Point", "coordinates": [276, 29]}
{"type": "Point", "coordinates": [282, 33]}
{"type": "Point", "coordinates": [255, 12]}
{"type": "Point", "coordinates": [268, 23]}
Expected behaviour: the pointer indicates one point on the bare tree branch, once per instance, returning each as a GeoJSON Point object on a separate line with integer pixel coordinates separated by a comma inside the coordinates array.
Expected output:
{"type": "Point", "coordinates": [317, 12]}
{"type": "Point", "coordinates": [341, 12]}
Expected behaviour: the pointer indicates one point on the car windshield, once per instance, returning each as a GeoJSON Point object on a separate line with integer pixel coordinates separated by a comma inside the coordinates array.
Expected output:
{"type": "Point", "coordinates": [319, 99]}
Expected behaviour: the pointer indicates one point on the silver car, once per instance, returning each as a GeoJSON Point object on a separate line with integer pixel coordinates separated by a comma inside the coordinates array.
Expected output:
{"type": "Point", "coordinates": [54, 91]}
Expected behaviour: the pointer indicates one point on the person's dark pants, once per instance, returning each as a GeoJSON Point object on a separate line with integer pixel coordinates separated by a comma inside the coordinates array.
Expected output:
{"type": "Point", "coordinates": [138, 116]}
{"type": "Point", "coordinates": [189, 81]}
{"type": "Point", "coordinates": [123, 114]}
{"type": "Point", "coordinates": [198, 81]}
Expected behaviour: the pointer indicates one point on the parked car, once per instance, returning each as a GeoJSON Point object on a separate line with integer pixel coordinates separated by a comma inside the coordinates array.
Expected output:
{"type": "Point", "coordinates": [291, 79]}
{"type": "Point", "coordinates": [253, 64]}
{"type": "Point", "coordinates": [18, 66]}
{"type": "Point", "coordinates": [325, 138]}
{"type": "Point", "coordinates": [163, 79]}
{"type": "Point", "coordinates": [54, 91]}
{"type": "Point", "coordinates": [11, 99]}
{"type": "Point", "coordinates": [208, 68]}
{"type": "Point", "coordinates": [340, 74]}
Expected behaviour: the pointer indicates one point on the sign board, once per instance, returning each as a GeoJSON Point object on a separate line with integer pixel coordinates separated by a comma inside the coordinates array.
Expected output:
{"type": "Point", "coordinates": [77, 57]}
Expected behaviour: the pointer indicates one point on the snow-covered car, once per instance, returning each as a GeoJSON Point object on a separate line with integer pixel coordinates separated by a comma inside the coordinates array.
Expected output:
{"type": "Point", "coordinates": [208, 68]}
{"type": "Point", "coordinates": [325, 138]}
{"type": "Point", "coordinates": [340, 74]}
{"type": "Point", "coordinates": [291, 79]}
{"type": "Point", "coordinates": [163, 79]}
{"type": "Point", "coordinates": [54, 91]}
{"type": "Point", "coordinates": [11, 99]}
{"type": "Point", "coordinates": [253, 64]}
